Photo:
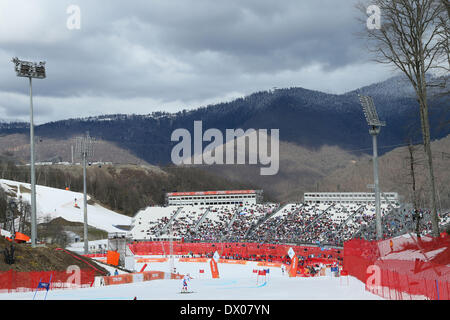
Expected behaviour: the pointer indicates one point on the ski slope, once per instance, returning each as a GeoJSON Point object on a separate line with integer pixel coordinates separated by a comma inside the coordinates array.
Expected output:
{"type": "Point", "coordinates": [237, 282]}
{"type": "Point", "coordinates": [54, 203]}
{"type": "Point", "coordinates": [94, 246]}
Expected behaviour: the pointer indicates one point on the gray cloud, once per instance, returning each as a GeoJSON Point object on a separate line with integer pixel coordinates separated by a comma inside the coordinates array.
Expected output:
{"type": "Point", "coordinates": [143, 56]}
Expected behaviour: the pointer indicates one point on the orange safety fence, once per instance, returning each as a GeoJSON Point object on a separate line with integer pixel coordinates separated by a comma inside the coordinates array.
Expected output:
{"type": "Point", "coordinates": [412, 268]}
{"type": "Point", "coordinates": [119, 279]}
{"type": "Point", "coordinates": [269, 264]}
{"type": "Point", "coordinates": [146, 260]}
{"type": "Point", "coordinates": [229, 261]}
{"type": "Point", "coordinates": [193, 260]}
{"type": "Point", "coordinates": [176, 276]}
{"type": "Point", "coordinates": [153, 275]}
{"type": "Point", "coordinates": [139, 276]}
{"type": "Point", "coordinates": [95, 255]}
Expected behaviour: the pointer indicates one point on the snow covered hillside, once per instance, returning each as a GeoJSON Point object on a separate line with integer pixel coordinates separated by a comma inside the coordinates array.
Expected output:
{"type": "Point", "coordinates": [54, 203]}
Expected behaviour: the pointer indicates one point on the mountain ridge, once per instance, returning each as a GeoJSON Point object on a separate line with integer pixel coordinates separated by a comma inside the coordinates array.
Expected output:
{"type": "Point", "coordinates": [304, 117]}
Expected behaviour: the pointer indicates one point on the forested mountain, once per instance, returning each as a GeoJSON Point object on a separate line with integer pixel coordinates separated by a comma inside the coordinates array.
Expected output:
{"type": "Point", "coordinates": [304, 117]}
{"type": "Point", "coordinates": [323, 138]}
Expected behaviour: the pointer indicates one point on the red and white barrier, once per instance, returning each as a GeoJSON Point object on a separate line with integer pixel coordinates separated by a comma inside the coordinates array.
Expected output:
{"type": "Point", "coordinates": [135, 277]}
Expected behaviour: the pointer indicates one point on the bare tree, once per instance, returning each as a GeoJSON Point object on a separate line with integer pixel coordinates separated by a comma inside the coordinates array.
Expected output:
{"type": "Point", "coordinates": [412, 163]}
{"type": "Point", "coordinates": [3, 207]}
{"type": "Point", "coordinates": [25, 217]}
{"type": "Point", "coordinates": [447, 5]}
{"type": "Point", "coordinates": [413, 37]}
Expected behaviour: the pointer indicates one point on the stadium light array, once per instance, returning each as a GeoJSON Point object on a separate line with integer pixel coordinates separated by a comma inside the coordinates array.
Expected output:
{"type": "Point", "coordinates": [31, 70]}
{"type": "Point", "coordinates": [84, 148]}
{"type": "Point", "coordinates": [370, 112]}
{"type": "Point", "coordinates": [375, 124]}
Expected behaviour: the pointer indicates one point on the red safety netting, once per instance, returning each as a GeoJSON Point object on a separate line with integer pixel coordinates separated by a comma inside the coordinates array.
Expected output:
{"type": "Point", "coordinates": [401, 268]}
{"type": "Point", "coordinates": [244, 251]}
{"type": "Point", "coordinates": [11, 280]}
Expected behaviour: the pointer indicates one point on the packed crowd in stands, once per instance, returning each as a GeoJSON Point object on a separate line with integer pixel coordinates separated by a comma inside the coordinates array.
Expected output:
{"type": "Point", "coordinates": [215, 223]}
{"type": "Point", "coordinates": [324, 223]}
{"type": "Point", "coordinates": [358, 218]}
{"type": "Point", "coordinates": [246, 217]}
{"type": "Point", "coordinates": [147, 225]}
{"type": "Point", "coordinates": [269, 228]}
{"type": "Point", "coordinates": [155, 226]}
{"type": "Point", "coordinates": [403, 221]}
{"type": "Point", "coordinates": [296, 223]}
{"type": "Point", "coordinates": [183, 225]}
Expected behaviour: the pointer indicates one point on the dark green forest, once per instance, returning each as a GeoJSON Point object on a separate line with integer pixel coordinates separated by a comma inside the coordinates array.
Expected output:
{"type": "Point", "coordinates": [124, 189]}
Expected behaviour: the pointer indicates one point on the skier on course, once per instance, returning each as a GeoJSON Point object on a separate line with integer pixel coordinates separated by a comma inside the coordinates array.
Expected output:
{"type": "Point", "coordinates": [186, 280]}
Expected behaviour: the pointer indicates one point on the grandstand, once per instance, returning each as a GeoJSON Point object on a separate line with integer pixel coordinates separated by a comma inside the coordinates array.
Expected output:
{"type": "Point", "coordinates": [247, 217]}
{"type": "Point", "coordinates": [400, 221]}
{"type": "Point", "coordinates": [215, 223]}
{"type": "Point", "coordinates": [311, 222]}
{"type": "Point", "coordinates": [349, 197]}
{"type": "Point", "coordinates": [148, 223]}
{"type": "Point", "coordinates": [214, 197]}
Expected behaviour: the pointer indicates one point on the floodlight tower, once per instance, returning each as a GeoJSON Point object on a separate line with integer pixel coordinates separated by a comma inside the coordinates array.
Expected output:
{"type": "Point", "coordinates": [374, 129]}
{"type": "Point", "coordinates": [84, 147]}
{"type": "Point", "coordinates": [31, 70]}
{"type": "Point", "coordinates": [171, 259]}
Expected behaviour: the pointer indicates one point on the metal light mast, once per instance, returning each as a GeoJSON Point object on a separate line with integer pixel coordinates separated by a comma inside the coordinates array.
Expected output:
{"type": "Point", "coordinates": [171, 259]}
{"type": "Point", "coordinates": [374, 129]}
{"type": "Point", "coordinates": [84, 148]}
{"type": "Point", "coordinates": [31, 70]}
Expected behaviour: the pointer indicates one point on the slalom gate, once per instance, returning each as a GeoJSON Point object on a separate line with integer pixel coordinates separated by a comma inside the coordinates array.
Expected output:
{"type": "Point", "coordinates": [406, 268]}
{"type": "Point", "coordinates": [14, 281]}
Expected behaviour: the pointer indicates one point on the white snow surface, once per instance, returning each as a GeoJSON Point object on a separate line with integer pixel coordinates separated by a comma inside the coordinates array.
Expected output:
{"type": "Point", "coordinates": [53, 203]}
{"type": "Point", "coordinates": [94, 246]}
{"type": "Point", "coordinates": [237, 282]}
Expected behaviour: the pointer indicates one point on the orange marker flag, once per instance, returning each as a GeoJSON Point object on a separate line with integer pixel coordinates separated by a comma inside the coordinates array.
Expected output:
{"type": "Point", "coordinates": [213, 265]}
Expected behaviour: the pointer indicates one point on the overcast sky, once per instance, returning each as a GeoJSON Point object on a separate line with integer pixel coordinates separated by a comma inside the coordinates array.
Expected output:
{"type": "Point", "coordinates": [168, 55]}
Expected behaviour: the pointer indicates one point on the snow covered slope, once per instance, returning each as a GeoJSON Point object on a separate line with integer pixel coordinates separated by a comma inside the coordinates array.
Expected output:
{"type": "Point", "coordinates": [53, 203]}
{"type": "Point", "coordinates": [237, 282]}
